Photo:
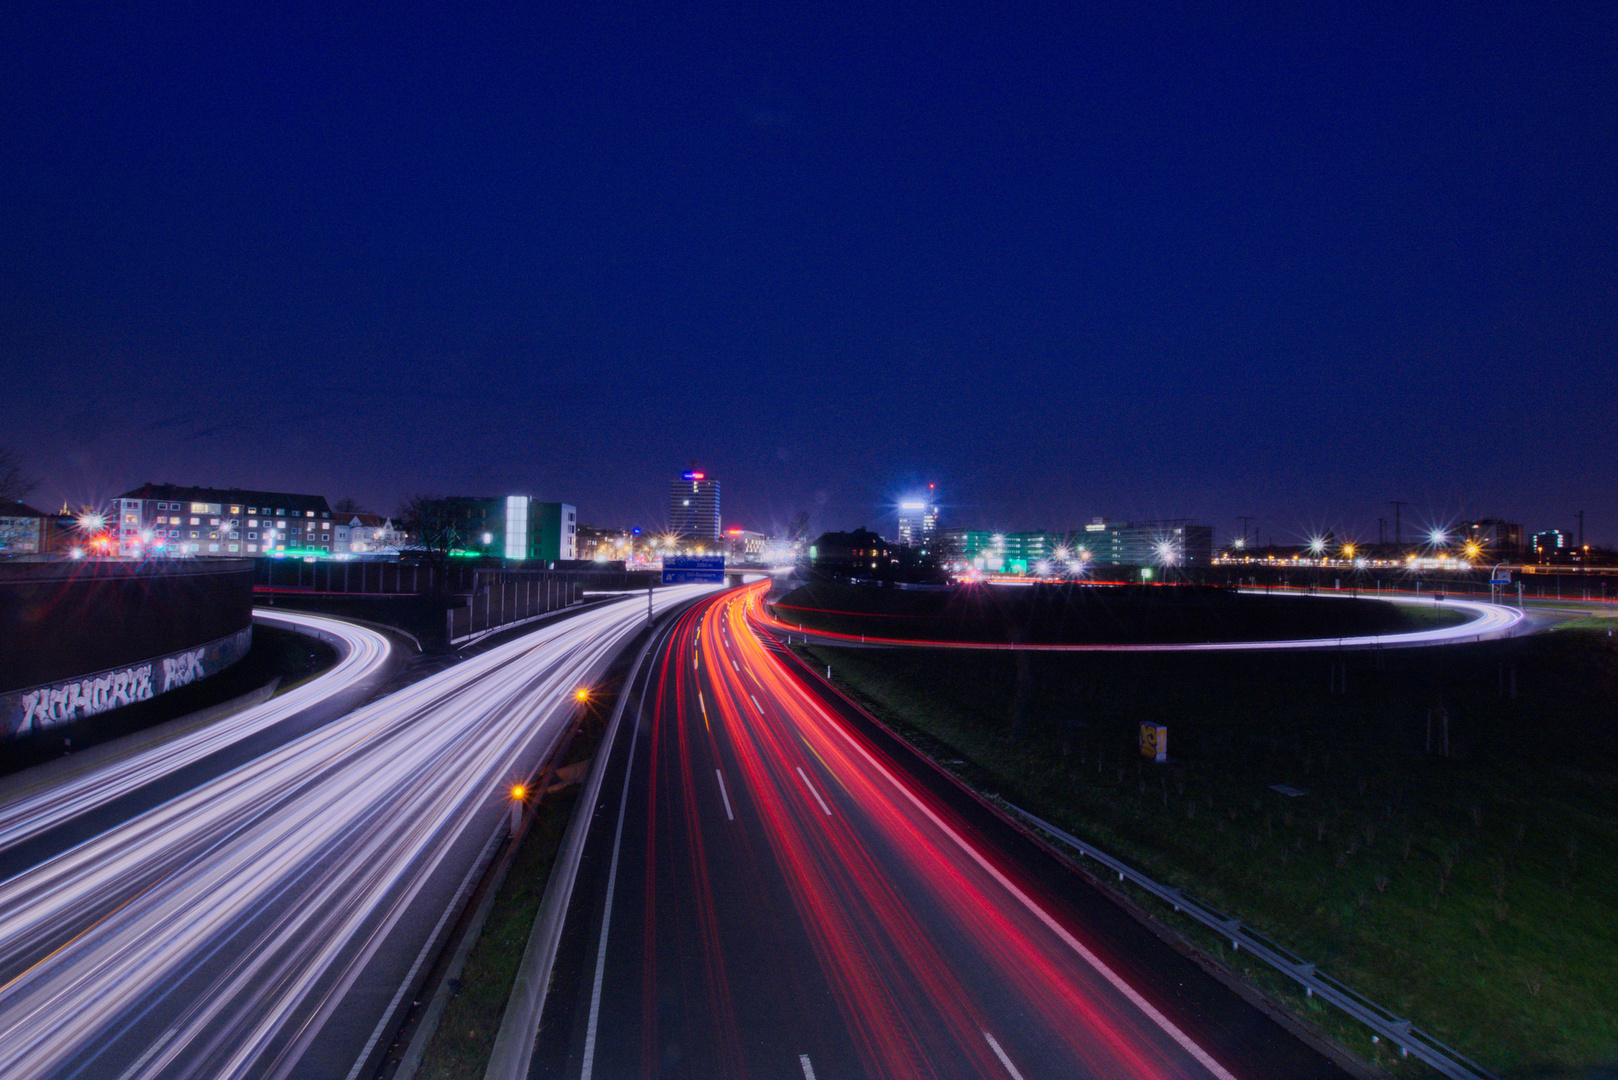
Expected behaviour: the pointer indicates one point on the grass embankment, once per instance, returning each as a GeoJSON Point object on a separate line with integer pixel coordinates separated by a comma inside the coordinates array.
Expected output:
{"type": "Point", "coordinates": [460, 1048]}
{"type": "Point", "coordinates": [1475, 894]}
{"type": "Point", "coordinates": [1068, 613]}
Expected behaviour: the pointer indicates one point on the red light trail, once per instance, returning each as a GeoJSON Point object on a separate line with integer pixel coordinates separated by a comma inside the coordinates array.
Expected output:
{"type": "Point", "coordinates": [797, 883]}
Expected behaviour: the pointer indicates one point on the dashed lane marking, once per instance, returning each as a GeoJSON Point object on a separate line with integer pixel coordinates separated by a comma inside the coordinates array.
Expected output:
{"type": "Point", "coordinates": [724, 795]}
{"type": "Point", "coordinates": [813, 792]}
{"type": "Point", "coordinates": [1001, 1054]}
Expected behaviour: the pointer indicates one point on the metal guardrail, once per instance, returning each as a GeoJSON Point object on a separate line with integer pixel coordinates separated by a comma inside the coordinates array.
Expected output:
{"type": "Point", "coordinates": [1399, 1031]}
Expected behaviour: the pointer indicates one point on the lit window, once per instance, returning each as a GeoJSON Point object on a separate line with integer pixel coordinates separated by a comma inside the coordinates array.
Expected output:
{"type": "Point", "coordinates": [213, 547]}
{"type": "Point", "coordinates": [308, 513]}
{"type": "Point", "coordinates": [196, 521]}
{"type": "Point", "coordinates": [252, 547]}
{"type": "Point", "coordinates": [235, 547]}
{"type": "Point", "coordinates": [193, 531]}
{"type": "Point", "coordinates": [280, 524]}
{"type": "Point", "coordinates": [235, 509]}
{"type": "Point", "coordinates": [252, 523]}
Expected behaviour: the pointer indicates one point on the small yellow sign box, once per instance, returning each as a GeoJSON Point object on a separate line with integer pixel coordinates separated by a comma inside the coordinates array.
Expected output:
{"type": "Point", "coordinates": [1154, 741]}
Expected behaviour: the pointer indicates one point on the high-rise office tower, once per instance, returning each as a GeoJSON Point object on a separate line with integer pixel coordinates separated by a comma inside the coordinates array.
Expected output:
{"type": "Point", "coordinates": [694, 506]}
{"type": "Point", "coordinates": [918, 522]}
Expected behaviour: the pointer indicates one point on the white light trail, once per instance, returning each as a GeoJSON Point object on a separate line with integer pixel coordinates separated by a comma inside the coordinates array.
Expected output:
{"type": "Point", "coordinates": [285, 874]}
{"type": "Point", "coordinates": [27, 809]}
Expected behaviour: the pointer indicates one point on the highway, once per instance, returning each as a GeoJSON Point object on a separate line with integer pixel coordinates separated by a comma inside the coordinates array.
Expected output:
{"type": "Point", "coordinates": [1484, 622]}
{"type": "Point", "coordinates": [774, 888]}
{"type": "Point", "coordinates": [37, 801]}
{"type": "Point", "coordinates": [266, 922]}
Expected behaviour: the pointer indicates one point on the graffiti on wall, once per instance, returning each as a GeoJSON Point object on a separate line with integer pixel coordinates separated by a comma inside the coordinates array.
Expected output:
{"type": "Point", "coordinates": [41, 708]}
{"type": "Point", "coordinates": [50, 705]}
{"type": "Point", "coordinates": [182, 669]}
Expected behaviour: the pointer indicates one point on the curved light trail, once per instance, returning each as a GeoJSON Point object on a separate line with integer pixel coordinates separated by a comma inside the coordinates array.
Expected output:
{"type": "Point", "coordinates": [799, 898]}
{"type": "Point", "coordinates": [26, 812]}
{"type": "Point", "coordinates": [217, 934]}
{"type": "Point", "coordinates": [1488, 621]}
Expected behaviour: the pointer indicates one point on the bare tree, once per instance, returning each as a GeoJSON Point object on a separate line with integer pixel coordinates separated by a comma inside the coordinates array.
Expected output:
{"type": "Point", "coordinates": [348, 505]}
{"type": "Point", "coordinates": [431, 526]}
{"type": "Point", "coordinates": [798, 531]}
{"type": "Point", "coordinates": [14, 486]}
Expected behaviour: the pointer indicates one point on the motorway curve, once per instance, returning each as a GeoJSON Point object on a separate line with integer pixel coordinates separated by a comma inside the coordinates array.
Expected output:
{"type": "Point", "coordinates": [264, 923]}
{"type": "Point", "coordinates": [1484, 622]}
{"type": "Point", "coordinates": [29, 809]}
{"type": "Point", "coordinates": [780, 895]}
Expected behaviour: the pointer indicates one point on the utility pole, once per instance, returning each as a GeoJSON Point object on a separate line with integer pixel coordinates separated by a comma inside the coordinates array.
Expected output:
{"type": "Point", "coordinates": [1244, 520]}
{"type": "Point", "coordinates": [1581, 530]}
{"type": "Point", "coordinates": [1398, 529]}
{"type": "Point", "coordinates": [1381, 532]}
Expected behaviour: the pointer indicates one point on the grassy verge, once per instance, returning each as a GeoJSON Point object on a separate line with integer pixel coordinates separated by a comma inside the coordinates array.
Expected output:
{"type": "Point", "coordinates": [460, 1048]}
{"type": "Point", "coordinates": [1474, 893]}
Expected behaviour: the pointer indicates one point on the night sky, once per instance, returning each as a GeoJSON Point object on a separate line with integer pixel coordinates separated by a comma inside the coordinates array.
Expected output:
{"type": "Point", "coordinates": [1187, 262]}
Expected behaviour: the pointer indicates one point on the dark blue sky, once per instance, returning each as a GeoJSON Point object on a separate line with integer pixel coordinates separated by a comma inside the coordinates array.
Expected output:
{"type": "Point", "coordinates": [1186, 262]}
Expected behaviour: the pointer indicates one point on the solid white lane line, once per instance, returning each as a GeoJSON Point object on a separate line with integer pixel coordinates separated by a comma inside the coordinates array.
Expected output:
{"type": "Point", "coordinates": [733, 664]}
{"type": "Point", "coordinates": [808, 1069]}
{"type": "Point", "coordinates": [756, 705]}
{"type": "Point", "coordinates": [813, 792]}
{"type": "Point", "coordinates": [454, 906]}
{"type": "Point", "coordinates": [1001, 1054]}
{"type": "Point", "coordinates": [606, 917]}
{"type": "Point", "coordinates": [724, 795]}
{"type": "Point", "coordinates": [1168, 1026]}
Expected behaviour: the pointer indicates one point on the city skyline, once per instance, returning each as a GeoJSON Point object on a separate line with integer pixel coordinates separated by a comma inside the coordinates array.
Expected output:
{"type": "Point", "coordinates": [1142, 264]}
{"type": "Point", "coordinates": [1376, 523]}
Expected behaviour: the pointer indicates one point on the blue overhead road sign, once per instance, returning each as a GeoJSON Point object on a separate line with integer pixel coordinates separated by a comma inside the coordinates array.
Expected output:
{"type": "Point", "coordinates": [694, 570]}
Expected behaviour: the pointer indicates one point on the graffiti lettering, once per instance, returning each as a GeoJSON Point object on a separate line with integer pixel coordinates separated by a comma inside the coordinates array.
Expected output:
{"type": "Point", "coordinates": [51, 705]}
{"type": "Point", "coordinates": [182, 669]}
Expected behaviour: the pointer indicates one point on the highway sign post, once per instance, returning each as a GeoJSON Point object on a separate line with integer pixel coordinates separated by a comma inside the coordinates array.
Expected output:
{"type": "Point", "coordinates": [693, 570]}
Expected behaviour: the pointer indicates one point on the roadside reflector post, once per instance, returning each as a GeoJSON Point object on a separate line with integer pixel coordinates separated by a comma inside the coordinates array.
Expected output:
{"type": "Point", "coordinates": [518, 794]}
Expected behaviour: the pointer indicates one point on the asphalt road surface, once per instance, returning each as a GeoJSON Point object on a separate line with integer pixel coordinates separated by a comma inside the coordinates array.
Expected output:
{"type": "Point", "coordinates": [47, 809]}
{"type": "Point", "coordinates": [265, 922]}
{"type": "Point", "coordinates": [773, 889]}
